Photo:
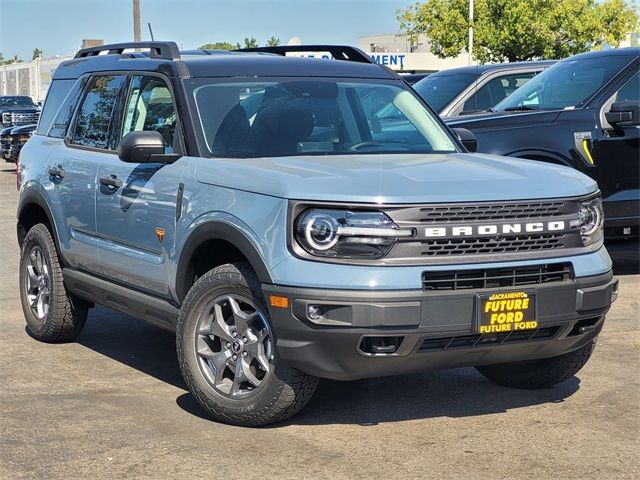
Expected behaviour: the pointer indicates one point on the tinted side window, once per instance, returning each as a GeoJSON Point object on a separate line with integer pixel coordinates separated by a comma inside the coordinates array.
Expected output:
{"type": "Point", "coordinates": [65, 112]}
{"type": "Point", "coordinates": [631, 91]}
{"type": "Point", "coordinates": [58, 91]}
{"type": "Point", "coordinates": [495, 91]}
{"type": "Point", "coordinates": [94, 117]}
{"type": "Point", "coordinates": [150, 107]}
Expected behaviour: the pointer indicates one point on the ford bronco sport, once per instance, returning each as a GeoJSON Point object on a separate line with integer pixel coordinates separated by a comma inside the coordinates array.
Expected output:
{"type": "Point", "coordinates": [296, 218]}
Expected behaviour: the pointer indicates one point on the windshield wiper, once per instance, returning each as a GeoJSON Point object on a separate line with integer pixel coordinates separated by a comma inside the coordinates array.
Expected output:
{"type": "Point", "coordinates": [521, 107]}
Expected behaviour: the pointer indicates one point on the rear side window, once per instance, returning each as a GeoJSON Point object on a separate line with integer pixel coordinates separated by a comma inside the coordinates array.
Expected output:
{"type": "Point", "coordinates": [65, 112]}
{"type": "Point", "coordinates": [94, 117]}
{"type": "Point", "coordinates": [58, 91]}
{"type": "Point", "coordinates": [495, 91]}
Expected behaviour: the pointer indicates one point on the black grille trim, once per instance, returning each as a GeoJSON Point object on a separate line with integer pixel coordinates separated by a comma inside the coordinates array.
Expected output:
{"type": "Point", "coordinates": [497, 277]}
{"type": "Point", "coordinates": [502, 211]}
{"type": "Point", "coordinates": [488, 245]}
{"type": "Point", "coordinates": [482, 340]}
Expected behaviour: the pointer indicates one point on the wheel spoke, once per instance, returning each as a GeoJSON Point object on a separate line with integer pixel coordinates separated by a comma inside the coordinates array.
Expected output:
{"type": "Point", "coordinates": [42, 303]}
{"type": "Point", "coordinates": [39, 262]}
{"type": "Point", "coordinates": [33, 277]}
{"type": "Point", "coordinates": [240, 318]}
{"type": "Point", "coordinates": [219, 328]}
{"type": "Point", "coordinates": [243, 374]}
{"type": "Point", "coordinates": [256, 350]}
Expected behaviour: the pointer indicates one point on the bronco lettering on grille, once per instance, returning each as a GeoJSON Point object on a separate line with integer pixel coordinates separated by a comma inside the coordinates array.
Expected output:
{"type": "Point", "coordinates": [503, 229]}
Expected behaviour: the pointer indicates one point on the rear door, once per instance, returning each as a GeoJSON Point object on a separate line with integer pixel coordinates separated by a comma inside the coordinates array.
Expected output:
{"type": "Point", "coordinates": [136, 202]}
{"type": "Point", "coordinates": [73, 169]}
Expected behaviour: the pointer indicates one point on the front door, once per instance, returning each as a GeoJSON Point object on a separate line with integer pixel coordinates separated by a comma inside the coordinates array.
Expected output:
{"type": "Point", "coordinates": [616, 153]}
{"type": "Point", "coordinates": [136, 202]}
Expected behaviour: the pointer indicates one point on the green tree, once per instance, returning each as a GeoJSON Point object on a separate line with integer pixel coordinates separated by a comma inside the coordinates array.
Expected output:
{"type": "Point", "coordinates": [250, 42]}
{"type": "Point", "coordinates": [516, 30]}
{"type": "Point", "coordinates": [273, 42]}
{"type": "Point", "coordinates": [219, 46]}
{"type": "Point", "coordinates": [37, 53]}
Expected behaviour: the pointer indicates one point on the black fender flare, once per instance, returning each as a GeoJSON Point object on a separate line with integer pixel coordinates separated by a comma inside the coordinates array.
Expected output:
{"type": "Point", "coordinates": [216, 230]}
{"type": "Point", "coordinates": [541, 155]}
{"type": "Point", "coordinates": [30, 196]}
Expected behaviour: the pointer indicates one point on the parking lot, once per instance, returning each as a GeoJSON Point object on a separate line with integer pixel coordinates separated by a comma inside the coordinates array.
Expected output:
{"type": "Point", "coordinates": [113, 405]}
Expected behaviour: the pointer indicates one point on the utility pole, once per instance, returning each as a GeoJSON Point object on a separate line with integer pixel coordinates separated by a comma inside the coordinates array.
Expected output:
{"type": "Point", "coordinates": [136, 20]}
{"type": "Point", "coordinates": [470, 32]}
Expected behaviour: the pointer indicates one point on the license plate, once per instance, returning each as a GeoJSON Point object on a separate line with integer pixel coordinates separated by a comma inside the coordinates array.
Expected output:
{"type": "Point", "coordinates": [506, 312]}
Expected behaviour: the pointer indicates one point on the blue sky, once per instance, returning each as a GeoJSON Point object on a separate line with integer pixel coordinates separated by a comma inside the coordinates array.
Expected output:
{"type": "Point", "coordinates": [58, 26]}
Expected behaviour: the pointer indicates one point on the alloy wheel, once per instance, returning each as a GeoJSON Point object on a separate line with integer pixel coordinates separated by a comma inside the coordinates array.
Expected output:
{"type": "Point", "coordinates": [234, 346]}
{"type": "Point", "coordinates": [38, 283]}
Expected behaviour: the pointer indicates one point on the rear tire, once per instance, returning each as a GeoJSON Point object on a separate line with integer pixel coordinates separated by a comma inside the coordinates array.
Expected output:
{"type": "Point", "coordinates": [53, 315]}
{"type": "Point", "coordinates": [227, 355]}
{"type": "Point", "coordinates": [539, 373]}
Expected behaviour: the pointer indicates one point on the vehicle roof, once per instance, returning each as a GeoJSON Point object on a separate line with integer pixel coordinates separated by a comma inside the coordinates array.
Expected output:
{"type": "Point", "coordinates": [606, 53]}
{"type": "Point", "coordinates": [224, 64]}
{"type": "Point", "coordinates": [492, 67]}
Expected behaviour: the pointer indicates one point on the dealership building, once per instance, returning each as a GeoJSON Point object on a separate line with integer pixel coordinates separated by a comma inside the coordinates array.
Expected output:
{"type": "Point", "coordinates": [403, 53]}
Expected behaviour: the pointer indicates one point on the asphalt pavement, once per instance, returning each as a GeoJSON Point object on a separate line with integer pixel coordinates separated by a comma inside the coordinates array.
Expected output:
{"type": "Point", "coordinates": [113, 405]}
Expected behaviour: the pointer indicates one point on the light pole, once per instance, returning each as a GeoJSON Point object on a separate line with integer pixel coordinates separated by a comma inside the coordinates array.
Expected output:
{"type": "Point", "coordinates": [470, 32]}
{"type": "Point", "coordinates": [136, 20]}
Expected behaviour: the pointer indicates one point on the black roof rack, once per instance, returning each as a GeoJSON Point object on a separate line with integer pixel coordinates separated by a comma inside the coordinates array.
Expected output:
{"type": "Point", "coordinates": [163, 50]}
{"type": "Point", "coordinates": [338, 52]}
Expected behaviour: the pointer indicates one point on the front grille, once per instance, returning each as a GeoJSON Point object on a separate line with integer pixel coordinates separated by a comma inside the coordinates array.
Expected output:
{"type": "Point", "coordinates": [504, 211]}
{"type": "Point", "coordinates": [481, 340]}
{"type": "Point", "coordinates": [488, 245]}
{"type": "Point", "coordinates": [483, 231]}
{"type": "Point", "coordinates": [497, 277]}
{"type": "Point", "coordinates": [20, 118]}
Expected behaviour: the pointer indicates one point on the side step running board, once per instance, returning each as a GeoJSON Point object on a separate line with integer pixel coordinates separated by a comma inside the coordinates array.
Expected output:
{"type": "Point", "coordinates": [140, 305]}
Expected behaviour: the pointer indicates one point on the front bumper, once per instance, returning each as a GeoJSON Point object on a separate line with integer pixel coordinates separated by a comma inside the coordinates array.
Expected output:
{"type": "Point", "coordinates": [431, 330]}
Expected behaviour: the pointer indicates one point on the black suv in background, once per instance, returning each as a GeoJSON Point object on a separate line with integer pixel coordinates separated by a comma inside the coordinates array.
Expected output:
{"type": "Point", "coordinates": [582, 112]}
{"type": "Point", "coordinates": [471, 90]}
{"type": "Point", "coordinates": [17, 110]}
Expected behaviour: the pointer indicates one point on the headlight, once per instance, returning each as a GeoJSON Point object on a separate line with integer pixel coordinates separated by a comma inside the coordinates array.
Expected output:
{"type": "Point", "coordinates": [591, 217]}
{"type": "Point", "coordinates": [347, 234]}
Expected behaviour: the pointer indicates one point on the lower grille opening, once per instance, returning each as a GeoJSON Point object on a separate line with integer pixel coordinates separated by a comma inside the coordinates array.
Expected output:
{"type": "Point", "coordinates": [479, 340]}
{"type": "Point", "coordinates": [380, 345]}
{"type": "Point", "coordinates": [497, 277]}
{"type": "Point", "coordinates": [584, 326]}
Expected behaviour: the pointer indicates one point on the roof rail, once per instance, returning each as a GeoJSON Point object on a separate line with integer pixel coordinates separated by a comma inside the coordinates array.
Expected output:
{"type": "Point", "coordinates": [164, 50]}
{"type": "Point", "coordinates": [338, 52]}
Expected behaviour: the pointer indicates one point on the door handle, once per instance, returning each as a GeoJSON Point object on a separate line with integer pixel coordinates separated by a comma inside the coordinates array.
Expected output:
{"type": "Point", "coordinates": [111, 181]}
{"type": "Point", "coordinates": [57, 172]}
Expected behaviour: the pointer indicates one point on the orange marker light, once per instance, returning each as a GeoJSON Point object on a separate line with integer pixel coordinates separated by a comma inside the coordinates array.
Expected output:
{"type": "Point", "coordinates": [278, 302]}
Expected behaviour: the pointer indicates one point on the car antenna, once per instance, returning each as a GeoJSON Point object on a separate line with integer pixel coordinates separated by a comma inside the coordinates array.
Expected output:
{"type": "Point", "coordinates": [150, 31]}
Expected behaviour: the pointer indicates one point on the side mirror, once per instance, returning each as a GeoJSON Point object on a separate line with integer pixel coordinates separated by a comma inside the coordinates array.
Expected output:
{"type": "Point", "coordinates": [144, 147]}
{"type": "Point", "coordinates": [467, 138]}
{"type": "Point", "coordinates": [623, 114]}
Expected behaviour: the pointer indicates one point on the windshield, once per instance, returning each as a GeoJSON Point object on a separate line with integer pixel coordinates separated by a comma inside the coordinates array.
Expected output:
{"type": "Point", "coordinates": [566, 84]}
{"type": "Point", "coordinates": [439, 90]}
{"type": "Point", "coordinates": [13, 102]}
{"type": "Point", "coordinates": [259, 118]}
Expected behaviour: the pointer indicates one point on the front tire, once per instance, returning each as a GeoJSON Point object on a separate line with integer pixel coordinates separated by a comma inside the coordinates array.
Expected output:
{"type": "Point", "coordinates": [539, 373]}
{"type": "Point", "coordinates": [53, 315]}
{"type": "Point", "coordinates": [227, 355]}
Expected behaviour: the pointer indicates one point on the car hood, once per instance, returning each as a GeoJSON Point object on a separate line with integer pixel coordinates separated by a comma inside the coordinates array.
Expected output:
{"type": "Point", "coordinates": [19, 109]}
{"type": "Point", "coordinates": [24, 129]}
{"type": "Point", "coordinates": [399, 178]}
{"type": "Point", "coordinates": [501, 120]}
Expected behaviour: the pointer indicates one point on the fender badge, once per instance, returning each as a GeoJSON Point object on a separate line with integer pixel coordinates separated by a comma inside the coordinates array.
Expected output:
{"type": "Point", "coordinates": [160, 234]}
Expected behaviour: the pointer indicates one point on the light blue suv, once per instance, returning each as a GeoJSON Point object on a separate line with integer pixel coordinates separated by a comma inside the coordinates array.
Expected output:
{"type": "Point", "coordinates": [296, 218]}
